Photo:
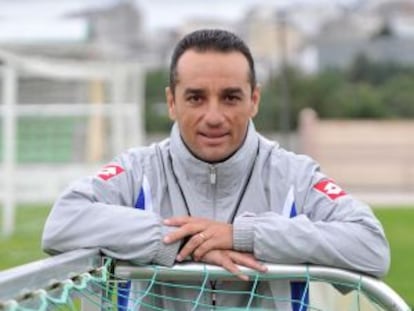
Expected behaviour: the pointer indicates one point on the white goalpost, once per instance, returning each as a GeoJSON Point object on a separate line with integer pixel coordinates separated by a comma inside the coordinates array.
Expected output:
{"type": "Point", "coordinates": [9, 142]}
{"type": "Point", "coordinates": [96, 107]}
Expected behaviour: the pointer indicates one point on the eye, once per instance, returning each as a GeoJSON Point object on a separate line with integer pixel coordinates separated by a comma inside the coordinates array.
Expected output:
{"type": "Point", "coordinates": [194, 99]}
{"type": "Point", "coordinates": [232, 99]}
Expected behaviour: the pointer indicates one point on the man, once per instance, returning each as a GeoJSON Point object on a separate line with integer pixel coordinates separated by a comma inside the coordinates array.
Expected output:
{"type": "Point", "coordinates": [216, 190]}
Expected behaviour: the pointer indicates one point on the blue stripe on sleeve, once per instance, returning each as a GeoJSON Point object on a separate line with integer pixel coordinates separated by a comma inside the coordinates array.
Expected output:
{"type": "Point", "coordinates": [140, 203]}
{"type": "Point", "coordinates": [293, 212]}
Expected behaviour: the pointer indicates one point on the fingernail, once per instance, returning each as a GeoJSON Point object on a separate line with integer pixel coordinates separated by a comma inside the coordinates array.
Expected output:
{"type": "Point", "coordinates": [166, 222]}
{"type": "Point", "coordinates": [179, 258]}
{"type": "Point", "coordinates": [167, 240]}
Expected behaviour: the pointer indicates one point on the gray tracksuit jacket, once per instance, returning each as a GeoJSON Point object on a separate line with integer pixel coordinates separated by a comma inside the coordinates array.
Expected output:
{"type": "Point", "coordinates": [283, 210]}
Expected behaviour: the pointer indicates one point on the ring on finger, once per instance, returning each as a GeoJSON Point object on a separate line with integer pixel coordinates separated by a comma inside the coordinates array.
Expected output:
{"type": "Point", "coordinates": [202, 236]}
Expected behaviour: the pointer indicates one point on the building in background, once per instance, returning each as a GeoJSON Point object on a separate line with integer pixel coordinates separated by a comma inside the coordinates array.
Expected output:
{"type": "Point", "coordinates": [381, 32]}
{"type": "Point", "coordinates": [116, 30]}
{"type": "Point", "coordinates": [274, 41]}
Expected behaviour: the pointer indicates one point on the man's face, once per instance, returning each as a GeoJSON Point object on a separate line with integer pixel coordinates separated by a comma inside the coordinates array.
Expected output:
{"type": "Point", "coordinates": [212, 102]}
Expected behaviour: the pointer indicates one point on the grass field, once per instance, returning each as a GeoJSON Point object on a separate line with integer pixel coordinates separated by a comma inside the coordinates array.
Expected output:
{"type": "Point", "coordinates": [398, 222]}
{"type": "Point", "coordinates": [399, 228]}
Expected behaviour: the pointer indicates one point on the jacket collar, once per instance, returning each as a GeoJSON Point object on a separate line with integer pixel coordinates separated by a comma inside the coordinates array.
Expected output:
{"type": "Point", "coordinates": [229, 174]}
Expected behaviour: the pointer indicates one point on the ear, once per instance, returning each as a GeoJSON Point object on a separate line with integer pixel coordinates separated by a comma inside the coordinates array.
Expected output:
{"type": "Point", "coordinates": [170, 103]}
{"type": "Point", "coordinates": [255, 101]}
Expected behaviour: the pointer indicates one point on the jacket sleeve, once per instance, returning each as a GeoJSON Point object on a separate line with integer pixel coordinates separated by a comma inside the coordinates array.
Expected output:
{"type": "Point", "coordinates": [331, 228]}
{"type": "Point", "coordinates": [96, 212]}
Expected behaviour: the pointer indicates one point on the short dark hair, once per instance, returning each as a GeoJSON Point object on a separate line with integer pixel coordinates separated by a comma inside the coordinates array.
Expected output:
{"type": "Point", "coordinates": [211, 40]}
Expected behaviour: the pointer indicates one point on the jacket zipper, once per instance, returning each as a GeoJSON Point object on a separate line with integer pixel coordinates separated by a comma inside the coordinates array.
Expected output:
{"type": "Point", "coordinates": [213, 181]}
{"type": "Point", "coordinates": [213, 176]}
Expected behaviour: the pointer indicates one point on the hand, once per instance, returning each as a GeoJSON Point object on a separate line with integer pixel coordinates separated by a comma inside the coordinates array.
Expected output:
{"type": "Point", "coordinates": [205, 235]}
{"type": "Point", "coordinates": [230, 259]}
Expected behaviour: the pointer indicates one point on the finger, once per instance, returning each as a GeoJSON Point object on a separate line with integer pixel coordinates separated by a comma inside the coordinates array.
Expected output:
{"type": "Point", "coordinates": [230, 266]}
{"type": "Point", "coordinates": [181, 233]}
{"type": "Point", "coordinates": [216, 239]}
{"type": "Point", "coordinates": [203, 248]}
{"type": "Point", "coordinates": [178, 235]}
{"type": "Point", "coordinates": [190, 246]}
{"type": "Point", "coordinates": [177, 221]}
{"type": "Point", "coordinates": [247, 261]}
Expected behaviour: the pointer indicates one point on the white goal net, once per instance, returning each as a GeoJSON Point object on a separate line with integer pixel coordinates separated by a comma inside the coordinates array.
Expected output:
{"type": "Point", "coordinates": [60, 120]}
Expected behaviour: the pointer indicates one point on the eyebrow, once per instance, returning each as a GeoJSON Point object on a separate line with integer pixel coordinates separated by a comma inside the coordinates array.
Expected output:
{"type": "Point", "coordinates": [194, 91]}
{"type": "Point", "coordinates": [233, 90]}
{"type": "Point", "coordinates": [225, 91]}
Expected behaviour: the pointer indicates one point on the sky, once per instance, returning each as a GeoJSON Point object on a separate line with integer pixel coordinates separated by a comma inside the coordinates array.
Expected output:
{"type": "Point", "coordinates": [157, 13]}
{"type": "Point", "coordinates": [164, 13]}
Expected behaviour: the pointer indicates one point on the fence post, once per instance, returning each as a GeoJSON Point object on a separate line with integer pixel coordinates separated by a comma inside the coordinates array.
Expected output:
{"type": "Point", "coordinates": [9, 148]}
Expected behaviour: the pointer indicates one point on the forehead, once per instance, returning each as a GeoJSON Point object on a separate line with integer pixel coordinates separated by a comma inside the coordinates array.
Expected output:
{"type": "Point", "coordinates": [195, 66]}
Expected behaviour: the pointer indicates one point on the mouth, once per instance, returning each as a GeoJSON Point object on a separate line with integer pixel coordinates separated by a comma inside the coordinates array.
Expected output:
{"type": "Point", "coordinates": [214, 138]}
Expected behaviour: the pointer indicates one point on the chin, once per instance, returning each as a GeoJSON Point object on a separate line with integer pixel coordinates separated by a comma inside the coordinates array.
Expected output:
{"type": "Point", "coordinates": [215, 157]}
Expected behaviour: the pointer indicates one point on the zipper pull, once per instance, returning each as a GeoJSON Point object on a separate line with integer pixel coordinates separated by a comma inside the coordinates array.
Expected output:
{"type": "Point", "coordinates": [213, 176]}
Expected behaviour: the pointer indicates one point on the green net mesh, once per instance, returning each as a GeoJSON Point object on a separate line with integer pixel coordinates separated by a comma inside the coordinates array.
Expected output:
{"type": "Point", "coordinates": [101, 289]}
{"type": "Point", "coordinates": [69, 294]}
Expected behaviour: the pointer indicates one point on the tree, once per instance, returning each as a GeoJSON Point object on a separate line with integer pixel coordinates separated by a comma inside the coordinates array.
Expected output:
{"type": "Point", "coordinates": [156, 115]}
{"type": "Point", "coordinates": [366, 90]}
{"type": "Point", "coordinates": [398, 95]}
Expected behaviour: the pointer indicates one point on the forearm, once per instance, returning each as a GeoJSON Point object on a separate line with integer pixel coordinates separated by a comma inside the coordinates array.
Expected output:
{"type": "Point", "coordinates": [351, 245]}
{"type": "Point", "coordinates": [121, 232]}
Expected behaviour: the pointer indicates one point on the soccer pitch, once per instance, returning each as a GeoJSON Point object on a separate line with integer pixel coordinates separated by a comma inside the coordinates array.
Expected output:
{"type": "Point", "coordinates": [24, 245]}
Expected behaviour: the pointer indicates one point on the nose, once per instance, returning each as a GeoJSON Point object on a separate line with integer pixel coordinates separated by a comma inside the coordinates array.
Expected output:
{"type": "Point", "coordinates": [214, 115]}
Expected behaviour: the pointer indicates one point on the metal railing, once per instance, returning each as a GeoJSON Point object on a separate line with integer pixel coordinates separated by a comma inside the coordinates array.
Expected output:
{"type": "Point", "coordinates": [21, 280]}
{"type": "Point", "coordinates": [24, 279]}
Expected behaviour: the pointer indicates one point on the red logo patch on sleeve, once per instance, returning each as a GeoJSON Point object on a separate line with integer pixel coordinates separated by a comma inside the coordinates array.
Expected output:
{"type": "Point", "coordinates": [330, 189]}
{"type": "Point", "coordinates": [109, 171]}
